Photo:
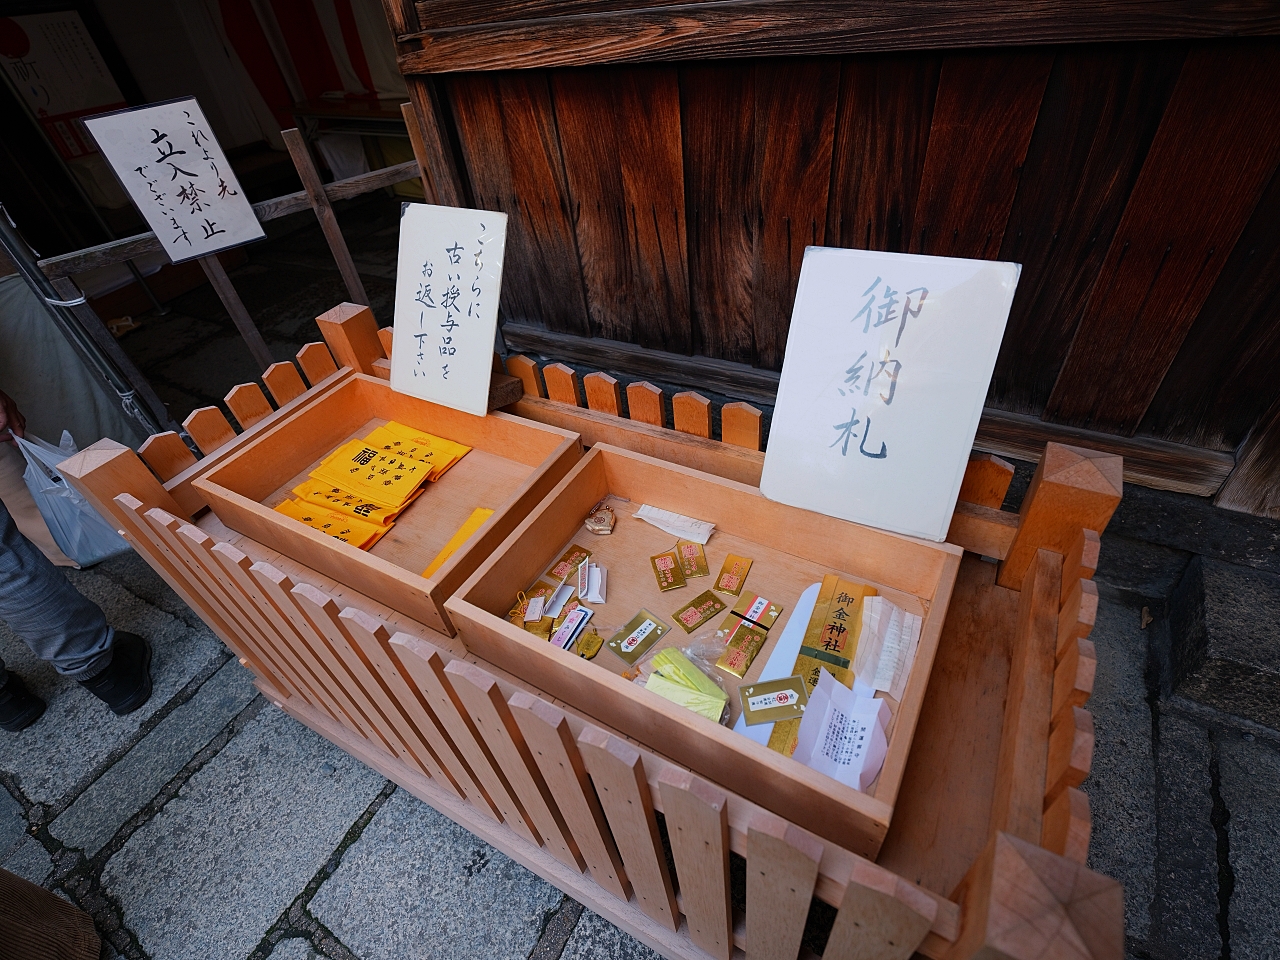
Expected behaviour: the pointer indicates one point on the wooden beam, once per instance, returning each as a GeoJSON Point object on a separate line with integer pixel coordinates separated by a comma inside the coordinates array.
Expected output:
{"type": "Point", "coordinates": [1254, 485]}
{"type": "Point", "coordinates": [419, 151]}
{"type": "Point", "coordinates": [226, 292]}
{"type": "Point", "coordinates": [753, 28]}
{"type": "Point", "coordinates": [437, 157]}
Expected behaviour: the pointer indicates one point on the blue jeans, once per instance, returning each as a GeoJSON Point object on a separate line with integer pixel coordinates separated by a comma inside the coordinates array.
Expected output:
{"type": "Point", "coordinates": [40, 605]}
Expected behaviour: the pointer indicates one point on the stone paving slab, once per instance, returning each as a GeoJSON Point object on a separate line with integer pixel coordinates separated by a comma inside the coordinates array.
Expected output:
{"type": "Point", "coordinates": [13, 824]}
{"type": "Point", "coordinates": [1184, 909]}
{"type": "Point", "coordinates": [294, 949]}
{"type": "Point", "coordinates": [78, 733]}
{"type": "Point", "coordinates": [135, 575]}
{"type": "Point", "coordinates": [221, 861]}
{"type": "Point", "coordinates": [417, 885]}
{"type": "Point", "coordinates": [1250, 771]}
{"type": "Point", "coordinates": [125, 788]}
{"type": "Point", "coordinates": [1121, 787]}
{"type": "Point", "coordinates": [30, 861]}
{"type": "Point", "coordinates": [597, 939]}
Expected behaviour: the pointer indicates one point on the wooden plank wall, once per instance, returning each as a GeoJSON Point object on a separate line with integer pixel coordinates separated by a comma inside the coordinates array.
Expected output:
{"type": "Point", "coordinates": [668, 204]}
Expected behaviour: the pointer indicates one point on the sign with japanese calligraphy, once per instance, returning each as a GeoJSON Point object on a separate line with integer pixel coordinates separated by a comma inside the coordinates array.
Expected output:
{"type": "Point", "coordinates": [178, 177]}
{"type": "Point", "coordinates": [448, 278]}
{"type": "Point", "coordinates": [888, 361]}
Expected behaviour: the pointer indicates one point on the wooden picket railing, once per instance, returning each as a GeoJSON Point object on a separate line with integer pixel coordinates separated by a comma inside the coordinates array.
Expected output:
{"type": "Point", "coordinates": [585, 807]}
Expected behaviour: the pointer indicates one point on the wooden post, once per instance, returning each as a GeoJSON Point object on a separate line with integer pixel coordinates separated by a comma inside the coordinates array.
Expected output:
{"type": "Point", "coordinates": [166, 455]}
{"type": "Point", "coordinates": [527, 371]}
{"type": "Point", "coordinates": [1072, 489]}
{"type": "Point", "coordinates": [352, 335]}
{"type": "Point", "coordinates": [248, 404]}
{"type": "Point", "coordinates": [1022, 902]}
{"type": "Point", "coordinates": [782, 869]}
{"type": "Point", "coordinates": [603, 393]}
{"type": "Point", "coordinates": [316, 362]}
{"type": "Point", "coordinates": [691, 413]}
{"type": "Point", "coordinates": [644, 402]}
{"type": "Point", "coordinates": [324, 213]}
{"type": "Point", "coordinates": [740, 425]}
{"type": "Point", "coordinates": [221, 284]}
{"type": "Point", "coordinates": [209, 428]}
{"type": "Point", "coordinates": [284, 382]}
{"type": "Point", "coordinates": [106, 469]}
{"type": "Point", "coordinates": [698, 827]}
{"type": "Point", "coordinates": [435, 156]}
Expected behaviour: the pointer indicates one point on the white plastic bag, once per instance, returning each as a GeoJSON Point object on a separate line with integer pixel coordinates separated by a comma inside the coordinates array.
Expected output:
{"type": "Point", "coordinates": [77, 528]}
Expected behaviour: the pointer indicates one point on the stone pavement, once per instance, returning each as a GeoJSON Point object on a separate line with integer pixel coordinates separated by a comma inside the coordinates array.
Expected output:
{"type": "Point", "coordinates": [210, 824]}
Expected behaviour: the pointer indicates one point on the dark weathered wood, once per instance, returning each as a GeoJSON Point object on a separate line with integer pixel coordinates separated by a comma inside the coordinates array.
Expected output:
{"type": "Point", "coordinates": [717, 105]}
{"type": "Point", "coordinates": [1099, 114]}
{"type": "Point", "coordinates": [311, 183]}
{"type": "Point", "coordinates": [433, 14]}
{"type": "Point", "coordinates": [982, 121]}
{"type": "Point", "coordinates": [886, 106]}
{"type": "Point", "coordinates": [785, 27]}
{"type": "Point", "coordinates": [507, 134]}
{"type": "Point", "coordinates": [1254, 485]}
{"type": "Point", "coordinates": [446, 181]}
{"type": "Point", "coordinates": [620, 136]}
{"type": "Point", "coordinates": [419, 149]}
{"type": "Point", "coordinates": [1224, 377]}
{"type": "Point", "coordinates": [794, 121]}
{"type": "Point", "coordinates": [118, 251]}
{"type": "Point", "coordinates": [222, 285]}
{"type": "Point", "coordinates": [1189, 206]}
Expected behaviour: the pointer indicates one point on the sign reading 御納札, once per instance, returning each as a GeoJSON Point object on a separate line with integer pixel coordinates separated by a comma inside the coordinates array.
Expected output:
{"type": "Point", "coordinates": [448, 278]}
{"type": "Point", "coordinates": [167, 159]}
{"type": "Point", "coordinates": [888, 361]}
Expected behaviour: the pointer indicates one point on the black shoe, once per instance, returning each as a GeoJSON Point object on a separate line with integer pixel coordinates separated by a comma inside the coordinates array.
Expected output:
{"type": "Point", "coordinates": [126, 683]}
{"type": "Point", "coordinates": [19, 707]}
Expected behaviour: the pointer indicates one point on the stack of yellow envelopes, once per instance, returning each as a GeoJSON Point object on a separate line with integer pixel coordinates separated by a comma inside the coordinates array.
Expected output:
{"type": "Point", "coordinates": [356, 493]}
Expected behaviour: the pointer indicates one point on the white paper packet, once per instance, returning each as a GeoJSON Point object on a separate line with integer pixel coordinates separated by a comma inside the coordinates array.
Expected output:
{"type": "Point", "coordinates": [678, 525]}
{"type": "Point", "coordinates": [842, 734]}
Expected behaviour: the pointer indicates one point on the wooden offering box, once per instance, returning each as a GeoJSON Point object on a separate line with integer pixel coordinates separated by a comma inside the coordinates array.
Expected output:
{"type": "Point", "coordinates": [511, 467]}
{"type": "Point", "coordinates": [791, 550]}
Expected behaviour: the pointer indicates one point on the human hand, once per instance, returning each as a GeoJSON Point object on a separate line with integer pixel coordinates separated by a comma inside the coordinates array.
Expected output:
{"type": "Point", "coordinates": [12, 422]}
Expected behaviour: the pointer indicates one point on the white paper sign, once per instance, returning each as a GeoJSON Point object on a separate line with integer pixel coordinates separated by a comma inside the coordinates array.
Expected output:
{"type": "Point", "coordinates": [448, 279]}
{"type": "Point", "coordinates": [178, 177]}
{"type": "Point", "coordinates": [888, 361]}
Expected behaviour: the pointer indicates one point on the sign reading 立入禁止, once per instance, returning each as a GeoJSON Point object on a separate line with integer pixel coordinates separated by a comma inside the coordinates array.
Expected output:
{"type": "Point", "coordinates": [888, 361]}
{"type": "Point", "coordinates": [170, 164]}
{"type": "Point", "coordinates": [448, 279]}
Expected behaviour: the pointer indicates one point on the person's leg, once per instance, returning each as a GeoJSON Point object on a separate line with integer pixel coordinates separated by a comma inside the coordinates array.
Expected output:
{"type": "Point", "coordinates": [63, 627]}
{"type": "Point", "coordinates": [50, 615]}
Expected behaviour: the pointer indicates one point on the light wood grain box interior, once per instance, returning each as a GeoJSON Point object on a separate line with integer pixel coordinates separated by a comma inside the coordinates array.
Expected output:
{"type": "Point", "coordinates": [511, 467]}
{"type": "Point", "coordinates": [792, 549]}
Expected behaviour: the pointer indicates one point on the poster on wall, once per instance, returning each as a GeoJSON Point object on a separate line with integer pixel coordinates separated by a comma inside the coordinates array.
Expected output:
{"type": "Point", "coordinates": [887, 365]}
{"type": "Point", "coordinates": [448, 278]}
{"type": "Point", "coordinates": [57, 69]}
{"type": "Point", "coordinates": [177, 176]}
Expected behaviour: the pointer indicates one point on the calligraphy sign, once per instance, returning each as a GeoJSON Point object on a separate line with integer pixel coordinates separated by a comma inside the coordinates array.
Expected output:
{"type": "Point", "coordinates": [170, 164]}
{"type": "Point", "coordinates": [888, 361]}
{"type": "Point", "coordinates": [448, 278]}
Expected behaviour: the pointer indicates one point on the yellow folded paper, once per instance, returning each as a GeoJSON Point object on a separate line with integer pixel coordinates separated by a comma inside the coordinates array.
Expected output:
{"type": "Point", "coordinates": [439, 453]}
{"type": "Point", "coordinates": [388, 479]}
{"type": "Point", "coordinates": [358, 533]}
{"type": "Point", "coordinates": [326, 495]}
{"type": "Point", "coordinates": [473, 523]}
{"type": "Point", "coordinates": [676, 678]}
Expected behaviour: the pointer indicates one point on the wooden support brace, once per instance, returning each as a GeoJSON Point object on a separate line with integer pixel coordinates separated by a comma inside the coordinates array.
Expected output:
{"type": "Point", "coordinates": [1072, 489]}
{"type": "Point", "coordinates": [386, 336]}
{"type": "Point", "coordinates": [697, 817]}
{"type": "Point", "coordinates": [323, 209]}
{"type": "Point", "coordinates": [316, 362]}
{"type": "Point", "coordinates": [603, 393]}
{"type": "Point", "coordinates": [782, 869]}
{"type": "Point", "coordinates": [644, 402]}
{"type": "Point", "coordinates": [478, 691]}
{"type": "Point", "coordinates": [1022, 902]}
{"type": "Point", "coordinates": [1018, 799]}
{"type": "Point", "coordinates": [562, 383]}
{"type": "Point", "coordinates": [986, 480]}
{"type": "Point", "coordinates": [1074, 675]}
{"type": "Point", "coordinates": [284, 382]}
{"type": "Point", "coordinates": [352, 335]}
{"type": "Point", "coordinates": [882, 916]}
{"type": "Point", "coordinates": [166, 455]}
{"type": "Point", "coordinates": [691, 413]}
{"type": "Point", "coordinates": [1070, 752]}
{"type": "Point", "coordinates": [617, 771]}
{"type": "Point", "coordinates": [248, 404]}
{"type": "Point", "coordinates": [740, 425]}
{"type": "Point", "coordinates": [226, 292]}
{"type": "Point", "coordinates": [1067, 825]}
{"type": "Point", "coordinates": [209, 428]}
{"type": "Point", "coordinates": [546, 731]}
{"type": "Point", "coordinates": [985, 531]}
{"type": "Point", "coordinates": [419, 150]}
{"type": "Point", "coordinates": [526, 371]}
